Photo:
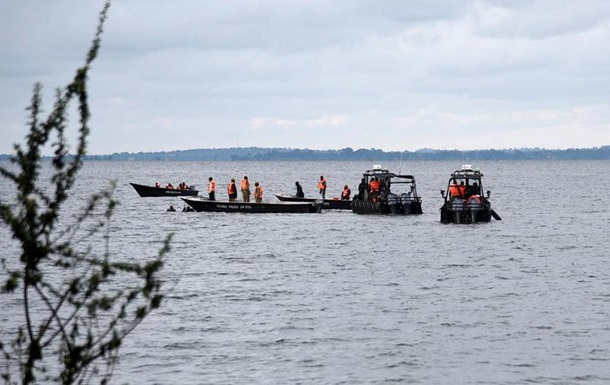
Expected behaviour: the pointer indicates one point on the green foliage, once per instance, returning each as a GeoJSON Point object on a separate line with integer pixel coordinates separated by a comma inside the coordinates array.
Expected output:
{"type": "Point", "coordinates": [348, 154]}
{"type": "Point", "coordinates": [77, 303]}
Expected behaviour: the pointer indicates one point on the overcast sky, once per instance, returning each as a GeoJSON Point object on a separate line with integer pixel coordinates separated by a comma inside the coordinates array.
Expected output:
{"type": "Point", "coordinates": [321, 74]}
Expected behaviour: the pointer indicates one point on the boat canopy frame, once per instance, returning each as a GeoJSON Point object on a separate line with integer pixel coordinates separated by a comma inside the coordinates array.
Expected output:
{"type": "Point", "coordinates": [385, 176]}
{"type": "Point", "coordinates": [469, 177]}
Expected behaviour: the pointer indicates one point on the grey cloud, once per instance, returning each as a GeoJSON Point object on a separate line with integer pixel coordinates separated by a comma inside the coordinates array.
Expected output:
{"type": "Point", "coordinates": [422, 72]}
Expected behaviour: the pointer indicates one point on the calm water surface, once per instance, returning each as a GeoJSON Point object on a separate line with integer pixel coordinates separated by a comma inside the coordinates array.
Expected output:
{"type": "Point", "coordinates": [338, 298]}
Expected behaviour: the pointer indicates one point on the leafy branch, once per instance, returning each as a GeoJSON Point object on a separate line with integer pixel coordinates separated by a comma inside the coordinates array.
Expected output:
{"type": "Point", "coordinates": [78, 302]}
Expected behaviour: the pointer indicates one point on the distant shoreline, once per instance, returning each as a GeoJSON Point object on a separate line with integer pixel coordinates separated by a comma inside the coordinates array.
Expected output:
{"type": "Point", "coordinates": [348, 154]}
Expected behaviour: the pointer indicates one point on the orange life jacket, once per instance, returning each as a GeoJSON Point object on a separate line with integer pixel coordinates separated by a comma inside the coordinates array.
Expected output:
{"type": "Point", "coordinates": [212, 186]}
{"type": "Point", "coordinates": [374, 186]}
{"type": "Point", "coordinates": [258, 192]}
{"type": "Point", "coordinates": [231, 188]}
{"type": "Point", "coordinates": [245, 184]}
{"type": "Point", "coordinates": [475, 198]}
{"type": "Point", "coordinates": [454, 190]}
{"type": "Point", "coordinates": [462, 190]}
{"type": "Point", "coordinates": [322, 184]}
{"type": "Point", "coordinates": [346, 193]}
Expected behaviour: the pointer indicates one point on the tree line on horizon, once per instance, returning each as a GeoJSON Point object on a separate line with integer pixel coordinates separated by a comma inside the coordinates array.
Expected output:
{"type": "Point", "coordinates": [349, 154]}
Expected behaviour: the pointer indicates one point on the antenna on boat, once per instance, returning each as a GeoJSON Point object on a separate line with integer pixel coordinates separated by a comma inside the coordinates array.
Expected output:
{"type": "Point", "coordinates": [400, 164]}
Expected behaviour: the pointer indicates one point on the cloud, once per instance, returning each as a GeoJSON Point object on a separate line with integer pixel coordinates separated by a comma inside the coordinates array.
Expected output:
{"type": "Point", "coordinates": [323, 121]}
{"type": "Point", "coordinates": [319, 74]}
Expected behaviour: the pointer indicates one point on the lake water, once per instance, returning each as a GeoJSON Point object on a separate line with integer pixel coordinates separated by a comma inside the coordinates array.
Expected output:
{"type": "Point", "coordinates": [339, 298]}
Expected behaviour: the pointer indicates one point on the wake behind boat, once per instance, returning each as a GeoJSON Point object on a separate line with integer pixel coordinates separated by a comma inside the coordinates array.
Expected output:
{"type": "Point", "coordinates": [329, 204]}
{"type": "Point", "coordinates": [152, 191]}
{"type": "Point", "coordinates": [204, 205]}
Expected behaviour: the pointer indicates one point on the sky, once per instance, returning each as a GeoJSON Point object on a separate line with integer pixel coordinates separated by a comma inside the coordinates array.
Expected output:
{"type": "Point", "coordinates": [394, 75]}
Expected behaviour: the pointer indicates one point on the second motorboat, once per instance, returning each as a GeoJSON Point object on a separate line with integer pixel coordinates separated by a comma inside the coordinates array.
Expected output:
{"type": "Point", "coordinates": [383, 192]}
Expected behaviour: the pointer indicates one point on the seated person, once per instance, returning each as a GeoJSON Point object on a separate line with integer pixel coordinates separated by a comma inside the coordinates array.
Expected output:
{"type": "Point", "coordinates": [346, 193]}
{"type": "Point", "coordinates": [374, 189]}
{"type": "Point", "coordinates": [473, 190]}
{"type": "Point", "coordinates": [300, 193]}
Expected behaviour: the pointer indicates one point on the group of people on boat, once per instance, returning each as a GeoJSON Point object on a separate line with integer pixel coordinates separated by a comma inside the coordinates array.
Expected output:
{"type": "Point", "coordinates": [467, 193]}
{"type": "Point", "coordinates": [322, 187]}
{"type": "Point", "coordinates": [170, 186]}
{"type": "Point", "coordinates": [374, 190]}
{"type": "Point", "coordinates": [232, 190]}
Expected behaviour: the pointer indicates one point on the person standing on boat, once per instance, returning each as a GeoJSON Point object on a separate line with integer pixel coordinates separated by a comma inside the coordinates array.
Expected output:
{"type": "Point", "coordinates": [322, 186]}
{"type": "Point", "coordinates": [232, 190]}
{"type": "Point", "coordinates": [346, 193]}
{"type": "Point", "coordinates": [258, 193]}
{"type": "Point", "coordinates": [211, 189]}
{"type": "Point", "coordinates": [362, 187]}
{"type": "Point", "coordinates": [300, 193]}
{"type": "Point", "coordinates": [245, 189]}
{"type": "Point", "coordinates": [374, 189]}
{"type": "Point", "coordinates": [454, 190]}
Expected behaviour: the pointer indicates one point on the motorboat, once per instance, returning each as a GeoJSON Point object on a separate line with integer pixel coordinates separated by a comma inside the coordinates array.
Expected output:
{"type": "Point", "coordinates": [465, 201]}
{"type": "Point", "coordinates": [384, 192]}
{"type": "Point", "coordinates": [154, 191]}
{"type": "Point", "coordinates": [200, 204]}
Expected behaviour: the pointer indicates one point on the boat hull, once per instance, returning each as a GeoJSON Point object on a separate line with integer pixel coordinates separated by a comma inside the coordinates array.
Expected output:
{"type": "Point", "coordinates": [328, 204]}
{"type": "Point", "coordinates": [151, 191]}
{"type": "Point", "coordinates": [368, 207]}
{"type": "Point", "coordinates": [466, 216]}
{"type": "Point", "coordinates": [202, 205]}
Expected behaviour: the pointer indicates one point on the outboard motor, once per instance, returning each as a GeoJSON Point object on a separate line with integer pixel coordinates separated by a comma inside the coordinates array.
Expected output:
{"type": "Point", "coordinates": [458, 208]}
{"type": "Point", "coordinates": [392, 202]}
{"type": "Point", "coordinates": [474, 205]}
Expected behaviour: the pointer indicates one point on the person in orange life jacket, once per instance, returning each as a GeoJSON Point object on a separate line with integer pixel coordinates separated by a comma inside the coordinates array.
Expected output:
{"type": "Point", "coordinates": [245, 189]}
{"type": "Point", "coordinates": [232, 190]}
{"type": "Point", "coordinates": [474, 198]}
{"type": "Point", "coordinates": [462, 189]}
{"type": "Point", "coordinates": [322, 186]}
{"type": "Point", "coordinates": [346, 193]}
{"type": "Point", "coordinates": [374, 189]}
{"type": "Point", "coordinates": [454, 190]}
{"type": "Point", "coordinates": [300, 193]}
{"type": "Point", "coordinates": [212, 189]}
{"type": "Point", "coordinates": [169, 186]}
{"type": "Point", "coordinates": [258, 192]}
